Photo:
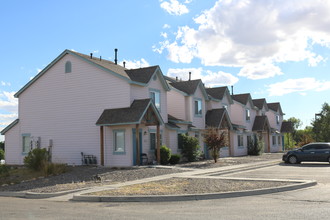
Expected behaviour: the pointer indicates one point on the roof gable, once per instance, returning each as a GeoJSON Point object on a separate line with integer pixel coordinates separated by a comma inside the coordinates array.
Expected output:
{"type": "Point", "coordinates": [276, 107]}
{"type": "Point", "coordinates": [261, 123]}
{"type": "Point", "coordinates": [131, 115]}
{"type": "Point", "coordinates": [135, 76]}
{"type": "Point", "coordinates": [260, 103]}
{"type": "Point", "coordinates": [217, 117]}
{"type": "Point", "coordinates": [189, 87]}
{"type": "Point", "coordinates": [244, 99]}
{"type": "Point", "coordinates": [219, 93]}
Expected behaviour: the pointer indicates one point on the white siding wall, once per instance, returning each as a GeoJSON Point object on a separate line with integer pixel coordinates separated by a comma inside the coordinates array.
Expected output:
{"type": "Point", "coordinates": [64, 107]}
{"type": "Point", "coordinates": [13, 146]}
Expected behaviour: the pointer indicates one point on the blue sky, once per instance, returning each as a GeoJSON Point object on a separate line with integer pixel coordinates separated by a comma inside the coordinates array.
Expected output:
{"type": "Point", "coordinates": [278, 50]}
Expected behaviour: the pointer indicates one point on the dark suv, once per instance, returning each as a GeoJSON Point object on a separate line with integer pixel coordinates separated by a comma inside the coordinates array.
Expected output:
{"type": "Point", "coordinates": [319, 152]}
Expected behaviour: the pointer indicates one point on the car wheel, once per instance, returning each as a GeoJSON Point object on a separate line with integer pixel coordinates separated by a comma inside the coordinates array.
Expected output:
{"type": "Point", "coordinates": [293, 159]}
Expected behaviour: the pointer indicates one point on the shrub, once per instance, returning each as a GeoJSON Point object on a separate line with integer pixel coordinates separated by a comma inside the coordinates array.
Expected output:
{"type": "Point", "coordinates": [215, 139]}
{"type": "Point", "coordinates": [165, 155]}
{"type": "Point", "coordinates": [2, 154]}
{"type": "Point", "coordinates": [36, 159]}
{"type": "Point", "coordinates": [175, 159]}
{"type": "Point", "coordinates": [190, 148]}
{"type": "Point", "coordinates": [53, 168]}
{"type": "Point", "coordinates": [255, 147]}
{"type": "Point", "coordinates": [4, 170]}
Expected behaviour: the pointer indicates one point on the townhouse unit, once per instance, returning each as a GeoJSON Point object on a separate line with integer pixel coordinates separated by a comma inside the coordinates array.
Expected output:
{"type": "Point", "coordinates": [83, 106]}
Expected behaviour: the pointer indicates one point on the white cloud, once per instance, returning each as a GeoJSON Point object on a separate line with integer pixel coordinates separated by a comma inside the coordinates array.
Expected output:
{"type": "Point", "coordinates": [174, 7]}
{"type": "Point", "coordinates": [275, 32]}
{"type": "Point", "coordinates": [5, 83]}
{"type": "Point", "coordinates": [134, 64]}
{"type": "Point", "coordinates": [165, 26]}
{"type": "Point", "coordinates": [163, 34]}
{"type": "Point", "coordinates": [260, 71]}
{"type": "Point", "coordinates": [209, 78]}
{"type": "Point", "coordinates": [8, 102]}
{"type": "Point", "coordinates": [298, 85]}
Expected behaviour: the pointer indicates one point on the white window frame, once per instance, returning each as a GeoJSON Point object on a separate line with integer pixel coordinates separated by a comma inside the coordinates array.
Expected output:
{"type": "Point", "coordinates": [117, 149]}
{"type": "Point", "coordinates": [26, 143]}
{"type": "Point", "coordinates": [155, 97]}
{"type": "Point", "coordinates": [199, 110]}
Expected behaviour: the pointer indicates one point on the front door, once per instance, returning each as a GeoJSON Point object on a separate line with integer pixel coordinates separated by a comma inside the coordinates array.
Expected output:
{"type": "Point", "coordinates": [134, 146]}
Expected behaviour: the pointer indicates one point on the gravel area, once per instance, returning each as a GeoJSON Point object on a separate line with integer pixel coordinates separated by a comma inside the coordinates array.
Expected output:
{"type": "Point", "coordinates": [82, 176]}
{"type": "Point", "coordinates": [178, 186]}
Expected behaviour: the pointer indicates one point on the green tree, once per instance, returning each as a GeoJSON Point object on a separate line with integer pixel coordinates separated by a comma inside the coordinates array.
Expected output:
{"type": "Point", "coordinates": [296, 123]}
{"type": "Point", "coordinates": [215, 139]}
{"type": "Point", "coordinates": [321, 124]}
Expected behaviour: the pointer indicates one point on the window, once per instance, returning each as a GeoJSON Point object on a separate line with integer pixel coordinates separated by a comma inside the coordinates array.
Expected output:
{"type": "Point", "coordinates": [27, 145]}
{"type": "Point", "coordinates": [240, 140]}
{"type": "Point", "coordinates": [180, 141]}
{"type": "Point", "coordinates": [155, 97]}
{"type": "Point", "coordinates": [274, 140]}
{"type": "Point", "coordinates": [119, 141]}
{"type": "Point", "coordinates": [153, 140]}
{"type": "Point", "coordinates": [279, 140]}
{"type": "Point", "coordinates": [247, 114]}
{"type": "Point", "coordinates": [248, 139]}
{"type": "Point", "coordinates": [277, 119]}
{"type": "Point", "coordinates": [198, 107]}
{"type": "Point", "coordinates": [68, 67]}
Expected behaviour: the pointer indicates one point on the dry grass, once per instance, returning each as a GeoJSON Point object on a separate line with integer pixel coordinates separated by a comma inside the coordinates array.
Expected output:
{"type": "Point", "coordinates": [19, 174]}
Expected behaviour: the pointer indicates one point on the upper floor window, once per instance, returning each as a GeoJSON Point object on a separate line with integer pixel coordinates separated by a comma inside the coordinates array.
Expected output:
{"type": "Point", "coordinates": [277, 119]}
{"type": "Point", "coordinates": [68, 67]}
{"type": "Point", "coordinates": [198, 107]}
{"type": "Point", "coordinates": [155, 97]}
{"type": "Point", "coordinates": [247, 115]}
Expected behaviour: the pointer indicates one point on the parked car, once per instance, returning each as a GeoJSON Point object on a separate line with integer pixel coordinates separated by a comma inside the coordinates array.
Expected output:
{"type": "Point", "coordinates": [316, 152]}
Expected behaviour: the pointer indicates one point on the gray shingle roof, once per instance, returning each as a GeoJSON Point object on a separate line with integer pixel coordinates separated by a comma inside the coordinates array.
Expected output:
{"type": "Point", "coordinates": [259, 103]}
{"type": "Point", "coordinates": [261, 123]}
{"type": "Point", "coordinates": [215, 117]}
{"type": "Point", "coordinates": [131, 115]}
{"type": "Point", "coordinates": [188, 87]}
{"type": "Point", "coordinates": [141, 75]}
{"type": "Point", "coordinates": [242, 98]}
{"type": "Point", "coordinates": [217, 92]}
{"type": "Point", "coordinates": [275, 106]}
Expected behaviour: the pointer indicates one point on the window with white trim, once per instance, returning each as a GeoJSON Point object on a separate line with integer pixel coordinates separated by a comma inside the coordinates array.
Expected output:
{"type": "Point", "coordinates": [198, 107]}
{"type": "Point", "coordinates": [247, 114]}
{"type": "Point", "coordinates": [277, 119]}
{"type": "Point", "coordinates": [119, 141]}
{"type": "Point", "coordinates": [155, 97]}
{"type": "Point", "coordinates": [240, 140]}
{"type": "Point", "coordinates": [274, 140]}
{"type": "Point", "coordinates": [153, 140]}
{"type": "Point", "coordinates": [27, 144]}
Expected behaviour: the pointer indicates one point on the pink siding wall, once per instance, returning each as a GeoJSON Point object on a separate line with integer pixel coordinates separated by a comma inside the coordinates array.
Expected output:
{"type": "Point", "coordinates": [176, 104]}
{"type": "Point", "coordinates": [64, 107]}
{"type": "Point", "coordinates": [13, 146]}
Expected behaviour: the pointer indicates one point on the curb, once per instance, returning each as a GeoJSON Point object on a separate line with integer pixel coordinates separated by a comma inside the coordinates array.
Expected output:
{"type": "Point", "coordinates": [33, 195]}
{"type": "Point", "coordinates": [191, 197]}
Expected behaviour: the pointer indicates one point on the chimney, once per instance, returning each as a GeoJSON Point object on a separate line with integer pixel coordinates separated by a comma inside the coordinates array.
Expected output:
{"type": "Point", "coordinates": [116, 50]}
{"type": "Point", "coordinates": [189, 76]}
{"type": "Point", "coordinates": [124, 64]}
{"type": "Point", "coordinates": [232, 90]}
{"type": "Point", "coordinates": [91, 55]}
{"type": "Point", "coordinates": [176, 78]}
{"type": "Point", "coordinates": [100, 58]}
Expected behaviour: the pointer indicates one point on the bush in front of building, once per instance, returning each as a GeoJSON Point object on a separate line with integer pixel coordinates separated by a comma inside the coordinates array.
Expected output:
{"type": "Point", "coordinates": [165, 155]}
{"type": "Point", "coordinates": [190, 148]}
{"type": "Point", "coordinates": [175, 159]}
{"type": "Point", "coordinates": [256, 146]}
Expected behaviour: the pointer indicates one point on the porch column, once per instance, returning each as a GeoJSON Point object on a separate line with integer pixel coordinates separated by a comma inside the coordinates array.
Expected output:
{"type": "Point", "coordinates": [158, 143]}
{"type": "Point", "coordinates": [268, 135]}
{"type": "Point", "coordinates": [137, 144]}
{"type": "Point", "coordinates": [102, 146]}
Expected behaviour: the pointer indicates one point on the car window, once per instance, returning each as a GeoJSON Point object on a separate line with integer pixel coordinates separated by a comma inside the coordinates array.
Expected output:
{"type": "Point", "coordinates": [309, 147]}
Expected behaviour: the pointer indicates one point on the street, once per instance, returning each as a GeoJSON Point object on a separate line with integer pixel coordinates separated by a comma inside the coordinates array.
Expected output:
{"type": "Point", "coordinates": [308, 203]}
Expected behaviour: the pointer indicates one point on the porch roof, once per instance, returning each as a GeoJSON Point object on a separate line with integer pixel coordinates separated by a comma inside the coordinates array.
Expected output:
{"type": "Point", "coordinates": [261, 123]}
{"type": "Point", "coordinates": [140, 111]}
{"type": "Point", "coordinates": [215, 118]}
